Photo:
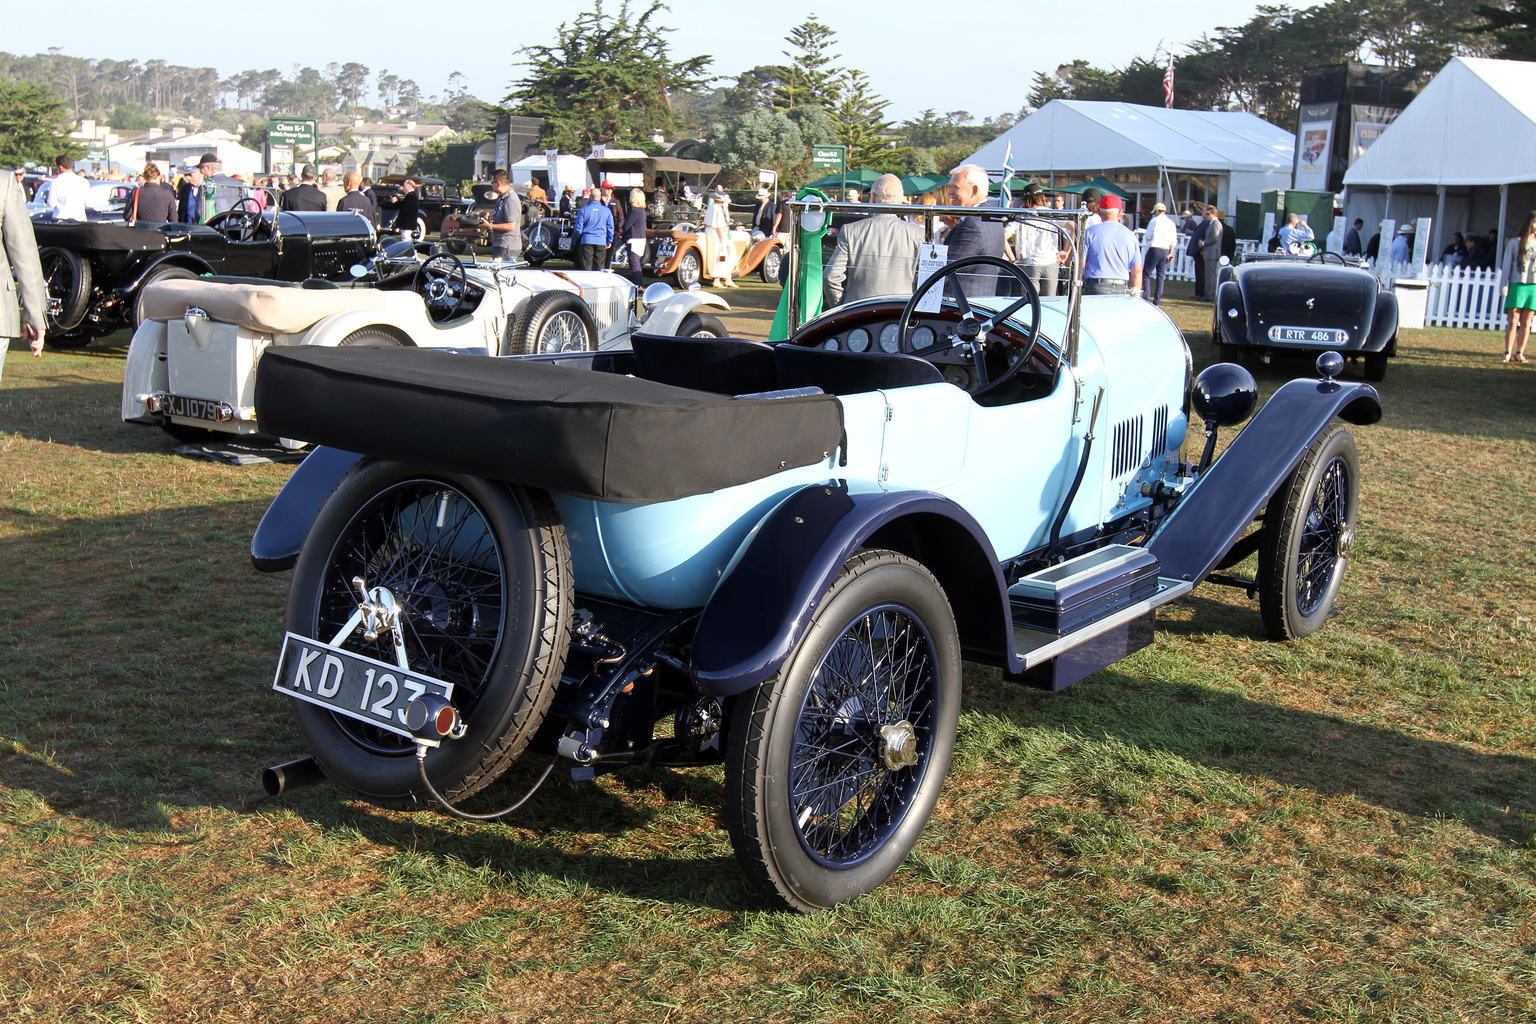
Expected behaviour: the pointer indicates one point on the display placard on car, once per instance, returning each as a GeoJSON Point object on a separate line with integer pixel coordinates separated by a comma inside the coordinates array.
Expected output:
{"type": "Point", "coordinates": [351, 684]}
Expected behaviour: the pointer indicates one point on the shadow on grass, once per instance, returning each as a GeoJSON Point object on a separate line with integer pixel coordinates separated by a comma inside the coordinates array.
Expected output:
{"type": "Point", "coordinates": [560, 815]}
{"type": "Point", "coordinates": [1493, 794]}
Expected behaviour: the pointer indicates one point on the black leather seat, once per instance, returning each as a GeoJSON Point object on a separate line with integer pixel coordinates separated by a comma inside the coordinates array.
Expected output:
{"type": "Point", "coordinates": [723, 366]}
{"type": "Point", "coordinates": [848, 373]}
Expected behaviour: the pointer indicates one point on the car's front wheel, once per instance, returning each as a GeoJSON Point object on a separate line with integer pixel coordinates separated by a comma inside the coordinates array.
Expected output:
{"type": "Point", "coordinates": [834, 765]}
{"type": "Point", "coordinates": [1309, 528]}
{"type": "Point", "coordinates": [480, 572]}
{"type": "Point", "coordinates": [688, 269]}
{"type": "Point", "coordinates": [701, 325]}
{"type": "Point", "coordinates": [551, 322]}
{"type": "Point", "coordinates": [772, 265]}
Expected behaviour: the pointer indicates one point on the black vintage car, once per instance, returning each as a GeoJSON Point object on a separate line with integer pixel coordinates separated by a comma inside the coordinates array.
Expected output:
{"type": "Point", "coordinates": [1272, 304]}
{"type": "Point", "coordinates": [95, 273]}
{"type": "Point", "coordinates": [435, 199]}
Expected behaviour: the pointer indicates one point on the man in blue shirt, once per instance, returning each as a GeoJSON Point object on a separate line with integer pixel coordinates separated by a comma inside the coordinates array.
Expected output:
{"type": "Point", "coordinates": [1295, 234]}
{"type": "Point", "coordinates": [1113, 263]}
{"type": "Point", "coordinates": [594, 234]}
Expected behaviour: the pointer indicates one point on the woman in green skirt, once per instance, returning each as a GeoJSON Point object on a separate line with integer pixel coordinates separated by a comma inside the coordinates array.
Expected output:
{"type": "Point", "coordinates": [1520, 289]}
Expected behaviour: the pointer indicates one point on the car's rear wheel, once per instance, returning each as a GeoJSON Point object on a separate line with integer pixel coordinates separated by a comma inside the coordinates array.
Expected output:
{"type": "Point", "coordinates": [1309, 528]}
{"type": "Point", "coordinates": [701, 325]}
{"type": "Point", "coordinates": [1375, 366]}
{"type": "Point", "coordinates": [834, 765]}
{"type": "Point", "coordinates": [481, 572]}
{"type": "Point", "coordinates": [67, 282]}
{"type": "Point", "coordinates": [551, 322]}
{"type": "Point", "coordinates": [158, 274]}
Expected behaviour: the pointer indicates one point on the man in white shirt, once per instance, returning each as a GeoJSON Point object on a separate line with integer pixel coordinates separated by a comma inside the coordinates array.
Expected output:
{"type": "Point", "coordinates": [1402, 245]}
{"type": "Point", "coordinates": [1161, 235]}
{"type": "Point", "coordinates": [68, 192]}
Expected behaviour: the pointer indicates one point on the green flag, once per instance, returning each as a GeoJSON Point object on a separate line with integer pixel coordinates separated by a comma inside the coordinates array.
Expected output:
{"type": "Point", "coordinates": [808, 273]}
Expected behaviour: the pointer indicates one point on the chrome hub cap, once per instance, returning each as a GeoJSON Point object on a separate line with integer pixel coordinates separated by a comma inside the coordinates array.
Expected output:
{"type": "Point", "coordinates": [898, 745]}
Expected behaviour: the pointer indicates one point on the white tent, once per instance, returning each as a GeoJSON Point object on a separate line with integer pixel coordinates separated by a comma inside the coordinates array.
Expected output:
{"type": "Point", "coordinates": [1463, 152]}
{"type": "Point", "coordinates": [1084, 137]}
{"type": "Point", "coordinates": [568, 170]}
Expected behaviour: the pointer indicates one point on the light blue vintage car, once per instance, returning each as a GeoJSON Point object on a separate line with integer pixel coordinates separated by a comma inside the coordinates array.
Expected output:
{"type": "Point", "coordinates": [712, 550]}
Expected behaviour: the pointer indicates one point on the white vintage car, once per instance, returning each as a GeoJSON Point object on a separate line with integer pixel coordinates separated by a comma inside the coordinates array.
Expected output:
{"type": "Point", "coordinates": [192, 364]}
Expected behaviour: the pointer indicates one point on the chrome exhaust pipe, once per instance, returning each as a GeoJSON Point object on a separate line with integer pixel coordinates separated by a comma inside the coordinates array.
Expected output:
{"type": "Point", "coordinates": [287, 778]}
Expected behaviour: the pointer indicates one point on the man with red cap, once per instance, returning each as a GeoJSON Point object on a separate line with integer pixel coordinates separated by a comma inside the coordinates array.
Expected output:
{"type": "Point", "coordinates": [1113, 258]}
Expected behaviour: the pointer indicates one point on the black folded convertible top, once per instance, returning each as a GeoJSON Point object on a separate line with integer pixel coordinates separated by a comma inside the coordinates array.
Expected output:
{"type": "Point", "coordinates": [572, 431]}
{"type": "Point", "coordinates": [106, 235]}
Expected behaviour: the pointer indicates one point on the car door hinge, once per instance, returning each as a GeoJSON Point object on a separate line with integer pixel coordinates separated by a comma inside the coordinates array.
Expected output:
{"type": "Point", "coordinates": [885, 472]}
{"type": "Point", "coordinates": [890, 414]}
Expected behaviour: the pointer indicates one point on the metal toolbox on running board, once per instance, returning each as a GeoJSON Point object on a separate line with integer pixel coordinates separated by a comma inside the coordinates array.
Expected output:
{"type": "Point", "coordinates": [1084, 589]}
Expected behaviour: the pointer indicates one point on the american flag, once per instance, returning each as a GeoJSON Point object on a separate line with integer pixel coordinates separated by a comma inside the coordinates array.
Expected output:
{"type": "Point", "coordinates": [1168, 84]}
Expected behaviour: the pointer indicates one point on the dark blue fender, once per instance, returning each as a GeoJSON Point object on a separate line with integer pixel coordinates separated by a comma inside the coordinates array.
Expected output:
{"type": "Point", "coordinates": [275, 547]}
{"type": "Point", "coordinates": [1218, 507]}
{"type": "Point", "coordinates": [766, 602]}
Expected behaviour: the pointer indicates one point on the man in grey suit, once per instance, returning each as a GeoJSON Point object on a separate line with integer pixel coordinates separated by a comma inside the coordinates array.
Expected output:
{"type": "Point", "coordinates": [876, 255]}
{"type": "Point", "coordinates": [1210, 251]}
{"type": "Point", "coordinates": [19, 253]}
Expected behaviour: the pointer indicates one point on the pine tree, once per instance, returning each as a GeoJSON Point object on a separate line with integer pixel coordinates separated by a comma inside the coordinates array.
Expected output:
{"type": "Point", "coordinates": [812, 78]}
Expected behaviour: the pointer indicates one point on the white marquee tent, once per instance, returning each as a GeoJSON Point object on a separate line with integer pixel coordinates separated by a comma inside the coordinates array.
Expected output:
{"type": "Point", "coordinates": [1242, 154]}
{"type": "Point", "coordinates": [1463, 152]}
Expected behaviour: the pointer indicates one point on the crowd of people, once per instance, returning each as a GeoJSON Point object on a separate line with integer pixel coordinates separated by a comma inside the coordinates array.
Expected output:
{"type": "Point", "coordinates": [875, 253]}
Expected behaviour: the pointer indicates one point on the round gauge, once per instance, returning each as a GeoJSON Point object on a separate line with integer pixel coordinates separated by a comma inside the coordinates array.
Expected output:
{"type": "Point", "coordinates": [922, 338]}
{"type": "Point", "coordinates": [890, 334]}
{"type": "Point", "coordinates": [831, 345]}
{"type": "Point", "coordinates": [858, 340]}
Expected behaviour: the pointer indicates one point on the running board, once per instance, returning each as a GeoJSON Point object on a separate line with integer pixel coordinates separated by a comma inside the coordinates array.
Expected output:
{"type": "Point", "coordinates": [1054, 661]}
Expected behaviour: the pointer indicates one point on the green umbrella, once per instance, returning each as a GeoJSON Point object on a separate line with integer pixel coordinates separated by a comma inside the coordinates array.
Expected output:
{"type": "Point", "coordinates": [857, 177]}
{"type": "Point", "coordinates": [1102, 184]}
{"type": "Point", "coordinates": [917, 184]}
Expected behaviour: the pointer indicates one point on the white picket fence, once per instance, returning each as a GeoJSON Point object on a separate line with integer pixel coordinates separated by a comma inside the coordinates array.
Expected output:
{"type": "Point", "coordinates": [1458, 296]}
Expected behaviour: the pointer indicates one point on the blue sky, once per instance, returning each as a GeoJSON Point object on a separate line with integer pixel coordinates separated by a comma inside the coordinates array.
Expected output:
{"type": "Point", "coordinates": [912, 51]}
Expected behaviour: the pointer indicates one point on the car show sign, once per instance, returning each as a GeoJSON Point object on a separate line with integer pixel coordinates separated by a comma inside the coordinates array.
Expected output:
{"type": "Point", "coordinates": [291, 140]}
{"type": "Point", "coordinates": [1313, 148]}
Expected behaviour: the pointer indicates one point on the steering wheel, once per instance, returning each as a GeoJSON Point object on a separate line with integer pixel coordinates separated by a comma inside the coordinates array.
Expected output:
{"type": "Point", "coordinates": [1322, 256]}
{"type": "Point", "coordinates": [441, 281]}
{"type": "Point", "coordinates": [243, 219]}
{"type": "Point", "coordinates": [970, 334]}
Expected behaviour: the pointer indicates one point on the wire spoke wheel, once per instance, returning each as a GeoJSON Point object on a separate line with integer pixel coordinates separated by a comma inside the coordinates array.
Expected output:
{"type": "Point", "coordinates": [481, 574]}
{"type": "Point", "coordinates": [1308, 531]}
{"type": "Point", "coordinates": [869, 706]}
{"type": "Point", "coordinates": [563, 332]}
{"type": "Point", "coordinates": [834, 764]}
{"type": "Point", "coordinates": [430, 546]}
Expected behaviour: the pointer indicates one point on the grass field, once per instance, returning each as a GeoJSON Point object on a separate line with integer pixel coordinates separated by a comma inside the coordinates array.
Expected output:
{"type": "Point", "coordinates": [1220, 828]}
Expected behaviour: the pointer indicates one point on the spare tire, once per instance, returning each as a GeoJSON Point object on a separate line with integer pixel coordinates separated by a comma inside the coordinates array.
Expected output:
{"type": "Point", "coordinates": [482, 575]}
{"type": "Point", "coordinates": [551, 322]}
{"type": "Point", "coordinates": [67, 281]}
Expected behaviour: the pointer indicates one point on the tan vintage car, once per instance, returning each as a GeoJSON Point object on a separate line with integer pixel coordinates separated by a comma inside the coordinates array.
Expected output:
{"type": "Point", "coordinates": [680, 253]}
